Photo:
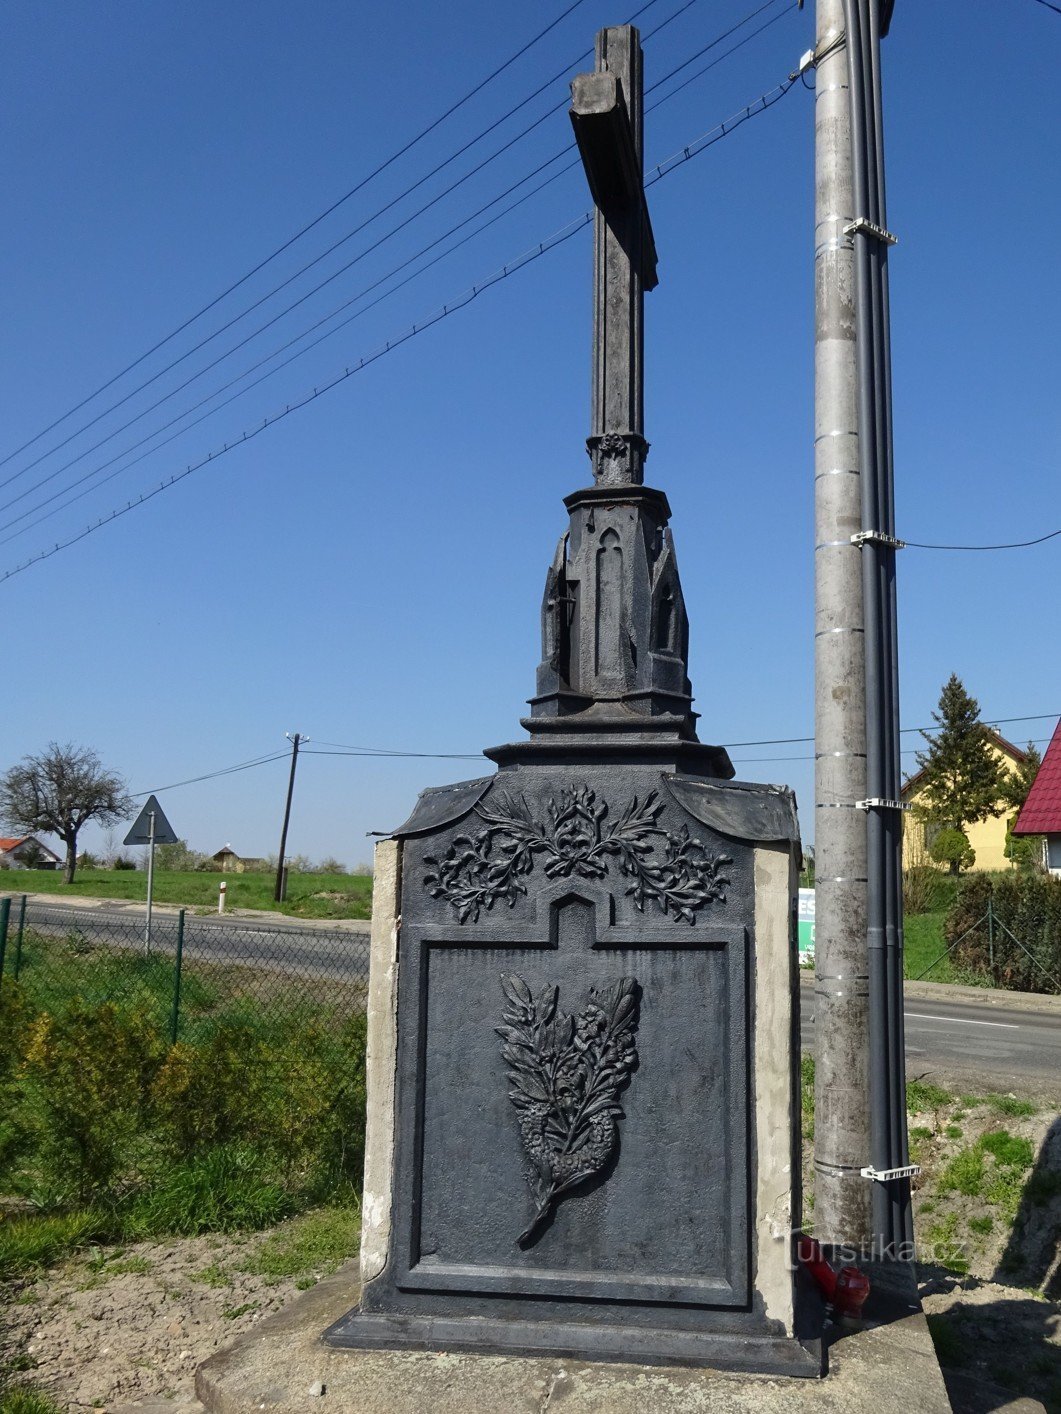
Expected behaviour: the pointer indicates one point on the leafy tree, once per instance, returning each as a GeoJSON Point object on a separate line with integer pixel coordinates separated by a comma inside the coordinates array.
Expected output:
{"type": "Point", "coordinates": [952, 847]}
{"type": "Point", "coordinates": [176, 857]}
{"type": "Point", "coordinates": [963, 781]}
{"type": "Point", "coordinates": [1024, 850]}
{"type": "Point", "coordinates": [1018, 783]}
{"type": "Point", "coordinates": [58, 792]}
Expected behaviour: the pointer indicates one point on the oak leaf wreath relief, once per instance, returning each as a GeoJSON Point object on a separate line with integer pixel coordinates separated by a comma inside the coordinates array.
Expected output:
{"type": "Point", "coordinates": [577, 837]}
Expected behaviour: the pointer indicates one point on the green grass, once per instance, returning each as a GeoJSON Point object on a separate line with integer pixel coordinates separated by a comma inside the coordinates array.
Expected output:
{"type": "Point", "coordinates": [923, 943]}
{"type": "Point", "coordinates": [312, 1245]}
{"type": "Point", "coordinates": [309, 895]}
{"type": "Point", "coordinates": [1010, 1105]}
{"type": "Point", "coordinates": [214, 1275]}
{"type": "Point", "coordinates": [23, 1400]}
{"type": "Point", "coordinates": [922, 1095]}
{"type": "Point", "coordinates": [222, 1190]}
{"type": "Point", "coordinates": [806, 1091]}
{"type": "Point", "coordinates": [36, 1241]}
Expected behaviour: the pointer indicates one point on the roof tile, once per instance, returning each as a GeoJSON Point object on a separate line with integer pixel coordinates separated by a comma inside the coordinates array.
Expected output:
{"type": "Point", "coordinates": [1041, 812]}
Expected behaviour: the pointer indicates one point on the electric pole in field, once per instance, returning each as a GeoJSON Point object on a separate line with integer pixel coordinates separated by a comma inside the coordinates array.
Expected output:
{"type": "Point", "coordinates": [841, 982]}
{"type": "Point", "coordinates": [278, 892]}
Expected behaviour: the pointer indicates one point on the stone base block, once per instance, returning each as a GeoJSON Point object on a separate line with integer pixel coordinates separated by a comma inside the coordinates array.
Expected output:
{"type": "Point", "coordinates": [283, 1366]}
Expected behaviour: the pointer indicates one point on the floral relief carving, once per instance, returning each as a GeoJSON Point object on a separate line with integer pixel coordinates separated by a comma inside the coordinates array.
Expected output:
{"type": "Point", "coordinates": [566, 1073]}
{"type": "Point", "coordinates": [579, 836]}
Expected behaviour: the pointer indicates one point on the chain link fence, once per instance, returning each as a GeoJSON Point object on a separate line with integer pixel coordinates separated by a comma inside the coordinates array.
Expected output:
{"type": "Point", "coordinates": [129, 1063]}
{"type": "Point", "coordinates": [194, 969]}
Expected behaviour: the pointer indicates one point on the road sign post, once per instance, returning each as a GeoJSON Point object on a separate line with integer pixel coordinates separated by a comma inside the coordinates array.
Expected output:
{"type": "Point", "coordinates": [150, 828]}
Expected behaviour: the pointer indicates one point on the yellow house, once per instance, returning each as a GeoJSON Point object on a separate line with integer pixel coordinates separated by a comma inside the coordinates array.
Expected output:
{"type": "Point", "coordinates": [987, 837]}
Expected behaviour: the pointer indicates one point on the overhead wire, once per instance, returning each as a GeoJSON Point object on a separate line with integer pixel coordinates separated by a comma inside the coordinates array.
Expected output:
{"type": "Point", "coordinates": [310, 225]}
{"type": "Point", "coordinates": [91, 475]}
{"type": "Point", "coordinates": [388, 753]}
{"type": "Point", "coordinates": [693, 149]}
{"type": "Point", "coordinates": [309, 265]}
{"type": "Point", "coordinates": [1013, 545]}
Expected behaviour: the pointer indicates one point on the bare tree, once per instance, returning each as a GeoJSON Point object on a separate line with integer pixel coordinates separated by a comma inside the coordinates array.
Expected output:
{"type": "Point", "coordinates": [58, 792]}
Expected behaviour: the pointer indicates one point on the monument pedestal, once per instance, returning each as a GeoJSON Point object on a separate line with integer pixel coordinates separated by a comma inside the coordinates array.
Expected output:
{"type": "Point", "coordinates": [513, 917]}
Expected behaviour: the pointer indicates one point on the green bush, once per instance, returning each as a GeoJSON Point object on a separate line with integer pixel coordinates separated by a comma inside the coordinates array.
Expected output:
{"type": "Point", "coordinates": [1020, 946]}
{"type": "Point", "coordinates": [88, 1074]}
{"type": "Point", "coordinates": [951, 847]}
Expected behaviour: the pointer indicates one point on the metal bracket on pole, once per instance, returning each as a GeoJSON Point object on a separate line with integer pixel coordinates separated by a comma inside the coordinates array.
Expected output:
{"type": "Point", "coordinates": [860, 225]}
{"type": "Point", "coordinates": [877, 537]}
{"type": "Point", "coordinates": [876, 802]}
{"type": "Point", "coordinates": [886, 1175]}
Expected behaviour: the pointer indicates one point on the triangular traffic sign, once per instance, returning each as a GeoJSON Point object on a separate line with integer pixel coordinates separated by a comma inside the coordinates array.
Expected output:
{"type": "Point", "coordinates": [141, 831]}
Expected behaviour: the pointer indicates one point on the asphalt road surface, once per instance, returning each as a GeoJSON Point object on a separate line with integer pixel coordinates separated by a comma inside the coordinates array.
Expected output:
{"type": "Point", "coordinates": [997, 1048]}
{"type": "Point", "coordinates": [325, 952]}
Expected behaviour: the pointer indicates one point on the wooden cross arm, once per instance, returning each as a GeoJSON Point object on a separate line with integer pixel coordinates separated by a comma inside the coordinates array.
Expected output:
{"type": "Point", "coordinates": [606, 145]}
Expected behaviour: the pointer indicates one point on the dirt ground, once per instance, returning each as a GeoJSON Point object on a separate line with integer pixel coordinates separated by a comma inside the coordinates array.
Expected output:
{"type": "Point", "coordinates": [116, 1325]}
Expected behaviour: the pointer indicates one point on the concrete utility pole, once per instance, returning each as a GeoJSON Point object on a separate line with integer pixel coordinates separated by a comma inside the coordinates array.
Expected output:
{"type": "Point", "coordinates": [841, 1085]}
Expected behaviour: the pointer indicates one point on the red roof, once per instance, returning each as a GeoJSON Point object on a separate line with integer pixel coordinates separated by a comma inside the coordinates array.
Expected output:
{"type": "Point", "coordinates": [7, 845]}
{"type": "Point", "coordinates": [1041, 812]}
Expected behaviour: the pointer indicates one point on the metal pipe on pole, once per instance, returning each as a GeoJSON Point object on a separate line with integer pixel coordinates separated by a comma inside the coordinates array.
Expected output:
{"type": "Point", "coordinates": [841, 1122]}
{"type": "Point", "coordinates": [892, 1220]}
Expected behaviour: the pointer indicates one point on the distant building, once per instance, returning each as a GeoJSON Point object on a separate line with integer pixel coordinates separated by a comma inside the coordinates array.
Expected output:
{"type": "Point", "coordinates": [987, 837]}
{"type": "Point", "coordinates": [229, 862]}
{"type": "Point", "coordinates": [1041, 812]}
{"type": "Point", "coordinates": [18, 854]}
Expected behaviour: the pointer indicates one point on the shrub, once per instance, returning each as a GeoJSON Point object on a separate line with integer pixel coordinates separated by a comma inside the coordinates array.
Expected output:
{"type": "Point", "coordinates": [120, 862]}
{"type": "Point", "coordinates": [951, 847]}
{"type": "Point", "coordinates": [1019, 946]}
{"type": "Point", "coordinates": [88, 1075]}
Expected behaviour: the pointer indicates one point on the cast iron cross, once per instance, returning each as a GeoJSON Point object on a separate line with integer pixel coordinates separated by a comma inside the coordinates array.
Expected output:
{"type": "Point", "coordinates": [606, 115]}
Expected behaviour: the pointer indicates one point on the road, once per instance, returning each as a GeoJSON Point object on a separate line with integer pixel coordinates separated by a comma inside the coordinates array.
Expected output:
{"type": "Point", "coordinates": [304, 950]}
{"type": "Point", "coordinates": [985, 1046]}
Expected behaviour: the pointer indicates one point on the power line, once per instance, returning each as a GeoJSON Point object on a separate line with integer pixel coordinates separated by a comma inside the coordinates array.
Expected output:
{"type": "Point", "coordinates": [1014, 545]}
{"type": "Point", "coordinates": [212, 775]}
{"type": "Point", "coordinates": [368, 250]}
{"type": "Point", "coordinates": [388, 753]}
{"type": "Point", "coordinates": [693, 149]}
{"type": "Point", "coordinates": [309, 226]}
{"type": "Point", "coordinates": [346, 303]}
{"type": "Point", "coordinates": [303, 269]}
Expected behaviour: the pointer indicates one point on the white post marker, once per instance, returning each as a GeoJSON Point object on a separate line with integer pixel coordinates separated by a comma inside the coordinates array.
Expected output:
{"type": "Point", "coordinates": [221, 897]}
{"type": "Point", "coordinates": [150, 828]}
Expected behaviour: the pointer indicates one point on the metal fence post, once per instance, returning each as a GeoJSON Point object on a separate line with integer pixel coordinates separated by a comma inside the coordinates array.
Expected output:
{"type": "Point", "coordinates": [5, 914]}
{"type": "Point", "coordinates": [991, 934]}
{"type": "Point", "coordinates": [18, 935]}
{"type": "Point", "coordinates": [174, 1020]}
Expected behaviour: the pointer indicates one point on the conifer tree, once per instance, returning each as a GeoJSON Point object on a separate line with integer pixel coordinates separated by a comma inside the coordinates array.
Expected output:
{"type": "Point", "coordinates": [963, 780]}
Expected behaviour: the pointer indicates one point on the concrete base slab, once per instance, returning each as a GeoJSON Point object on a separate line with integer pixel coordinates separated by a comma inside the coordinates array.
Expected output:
{"type": "Point", "coordinates": [888, 1362]}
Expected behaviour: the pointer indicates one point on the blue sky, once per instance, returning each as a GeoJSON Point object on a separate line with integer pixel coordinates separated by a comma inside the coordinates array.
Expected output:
{"type": "Point", "coordinates": [369, 570]}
